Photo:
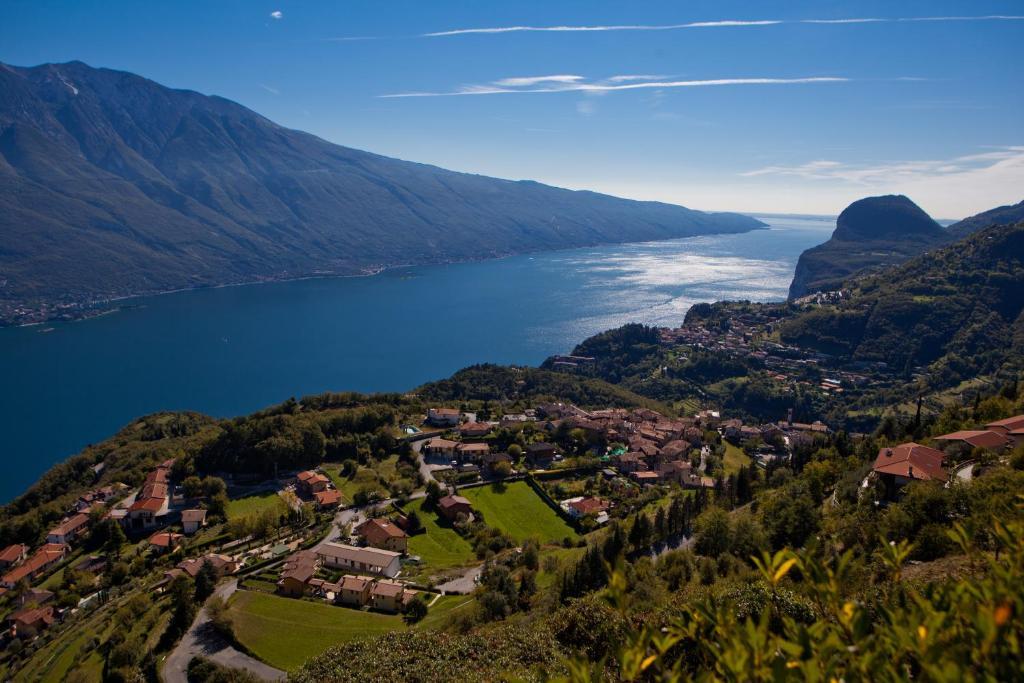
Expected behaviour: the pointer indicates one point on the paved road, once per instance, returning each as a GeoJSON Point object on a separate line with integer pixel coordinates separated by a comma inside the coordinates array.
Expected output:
{"type": "Point", "coordinates": [426, 469]}
{"type": "Point", "coordinates": [201, 639]}
{"type": "Point", "coordinates": [464, 584]}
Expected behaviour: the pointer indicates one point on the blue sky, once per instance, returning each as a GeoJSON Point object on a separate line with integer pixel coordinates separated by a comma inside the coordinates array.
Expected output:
{"type": "Point", "coordinates": [796, 115]}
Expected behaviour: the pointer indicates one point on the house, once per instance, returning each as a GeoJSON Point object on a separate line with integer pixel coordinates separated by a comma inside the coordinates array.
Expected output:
{"type": "Point", "coordinates": [443, 417]}
{"type": "Point", "coordinates": [676, 471]}
{"type": "Point", "coordinates": [33, 621]}
{"type": "Point", "coordinates": [364, 560]}
{"type": "Point", "coordinates": [44, 558]}
{"type": "Point", "coordinates": [192, 521]}
{"type": "Point", "coordinates": [152, 501]}
{"type": "Point", "coordinates": [491, 459]}
{"type": "Point", "coordinates": [222, 564]}
{"type": "Point", "coordinates": [353, 590]}
{"type": "Point", "coordinates": [643, 477]}
{"type": "Point", "coordinates": [386, 595]}
{"type": "Point", "coordinates": [541, 455]}
{"type": "Point", "coordinates": [309, 482]}
{"type": "Point", "coordinates": [438, 447]}
{"type": "Point", "coordinates": [900, 465]}
{"type": "Point", "coordinates": [475, 430]}
{"type": "Point", "coordinates": [452, 506]}
{"type": "Point", "coordinates": [587, 506]}
{"type": "Point", "coordinates": [69, 530]}
{"type": "Point", "coordinates": [1011, 427]}
{"type": "Point", "coordinates": [675, 449]}
{"type": "Point", "coordinates": [164, 541]}
{"type": "Point", "coordinates": [12, 555]}
{"type": "Point", "coordinates": [731, 429]}
{"type": "Point", "coordinates": [471, 452]}
{"type": "Point", "coordinates": [380, 533]}
{"type": "Point", "coordinates": [297, 573]}
{"type": "Point", "coordinates": [325, 500]}
{"type": "Point", "coordinates": [990, 440]}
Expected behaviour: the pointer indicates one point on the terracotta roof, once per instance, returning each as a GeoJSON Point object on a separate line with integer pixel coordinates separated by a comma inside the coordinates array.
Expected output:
{"type": "Point", "coordinates": [438, 442]}
{"type": "Point", "coordinates": [451, 501]}
{"type": "Point", "coordinates": [376, 530]}
{"type": "Point", "coordinates": [589, 505]}
{"type": "Point", "coordinates": [70, 526]}
{"type": "Point", "coordinates": [164, 539]}
{"type": "Point", "coordinates": [471, 447]}
{"type": "Point", "coordinates": [388, 589]}
{"type": "Point", "coordinates": [328, 497]}
{"type": "Point", "coordinates": [1009, 424]}
{"type": "Point", "coordinates": [35, 617]}
{"type": "Point", "coordinates": [445, 411]}
{"type": "Point", "coordinates": [353, 583]}
{"type": "Point", "coordinates": [48, 554]}
{"type": "Point", "coordinates": [13, 553]}
{"type": "Point", "coordinates": [977, 438]}
{"type": "Point", "coordinates": [911, 460]}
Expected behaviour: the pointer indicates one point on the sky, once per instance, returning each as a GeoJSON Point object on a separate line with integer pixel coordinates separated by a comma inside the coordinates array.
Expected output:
{"type": "Point", "coordinates": [762, 106]}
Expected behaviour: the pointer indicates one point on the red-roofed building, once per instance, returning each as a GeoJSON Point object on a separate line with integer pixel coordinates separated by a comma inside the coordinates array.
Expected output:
{"type": "Point", "coordinates": [311, 482]}
{"type": "Point", "coordinates": [588, 506]}
{"type": "Point", "coordinates": [908, 462]}
{"type": "Point", "coordinates": [331, 498]}
{"type": "Point", "coordinates": [1010, 424]}
{"type": "Point", "coordinates": [380, 533]}
{"type": "Point", "coordinates": [69, 530]}
{"type": "Point", "coordinates": [12, 555]}
{"type": "Point", "coordinates": [44, 558]}
{"type": "Point", "coordinates": [443, 417]}
{"type": "Point", "coordinates": [32, 621]}
{"type": "Point", "coordinates": [452, 506]}
{"type": "Point", "coordinates": [165, 541]}
{"type": "Point", "coordinates": [993, 441]}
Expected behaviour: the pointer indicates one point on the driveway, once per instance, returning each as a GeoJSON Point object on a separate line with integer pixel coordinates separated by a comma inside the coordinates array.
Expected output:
{"type": "Point", "coordinates": [202, 640]}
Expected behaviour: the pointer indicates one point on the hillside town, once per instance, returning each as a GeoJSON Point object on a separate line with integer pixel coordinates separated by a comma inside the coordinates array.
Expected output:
{"type": "Point", "coordinates": [583, 468]}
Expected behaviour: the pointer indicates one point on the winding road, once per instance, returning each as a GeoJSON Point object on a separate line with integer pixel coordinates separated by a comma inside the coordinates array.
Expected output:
{"type": "Point", "coordinates": [202, 640]}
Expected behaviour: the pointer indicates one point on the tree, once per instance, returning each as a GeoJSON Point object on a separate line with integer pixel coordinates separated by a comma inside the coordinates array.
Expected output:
{"type": "Point", "coordinates": [712, 533]}
{"type": "Point", "coordinates": [415, 610]}
{"type": "Point", "coordinates": [515, 451]}
{"type": "Point", "coordinates": [413, 524]}
{"type": "Point", "coordinates": [192, 487]}
{"type": "Point", "coordinates": [502, 469]}
{"type": "Point", "coordinates": [183, 605]}
{"type": "Point", "coordinates": [206, 581]}
{"type": "Point", "coordinates": [640, 532]}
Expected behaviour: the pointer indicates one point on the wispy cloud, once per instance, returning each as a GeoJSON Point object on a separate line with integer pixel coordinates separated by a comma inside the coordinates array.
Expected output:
{"type": "Point", "coordinates": [722, 23]}
{"type": "Point", "coordinates": [269, 89]}
{"type": "Point", "coordinates": [526, 85]}
{"type": "Point", "coordinates": [277, 14]}
{"type": "Point", "coordinates": [525, 81]}
{"type": "Point", "coordinates": [1003, 160]}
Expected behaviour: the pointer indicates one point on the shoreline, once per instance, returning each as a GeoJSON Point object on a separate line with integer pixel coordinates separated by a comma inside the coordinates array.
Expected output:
{"type": "Point", "coordinates": [100, 307]}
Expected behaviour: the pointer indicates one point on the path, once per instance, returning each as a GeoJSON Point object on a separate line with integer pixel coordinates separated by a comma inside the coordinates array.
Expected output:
{"type": "Point", "coordinates": [202, 640]}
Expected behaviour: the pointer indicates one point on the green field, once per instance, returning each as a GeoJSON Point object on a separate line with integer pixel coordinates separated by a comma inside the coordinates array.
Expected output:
{"type": "Point", "coordinates": [440, 547]}
{"type": "Point", "coordinates": [734, 459]}
{"type": "Point", "coordinates": [250, 505]}
{"type": "Point", "coordinates": [518, 511]}
{"type": "Point", "coordinates": [285, 632]}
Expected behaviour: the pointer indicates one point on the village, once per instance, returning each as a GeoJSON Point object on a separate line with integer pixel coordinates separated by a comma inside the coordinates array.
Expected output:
{"type": "Point", "coordinates": [548, 475]}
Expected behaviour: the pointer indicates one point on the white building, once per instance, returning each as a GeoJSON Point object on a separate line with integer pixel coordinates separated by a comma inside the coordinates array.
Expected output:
{"type": "Point", "coordinates": [363, 560]}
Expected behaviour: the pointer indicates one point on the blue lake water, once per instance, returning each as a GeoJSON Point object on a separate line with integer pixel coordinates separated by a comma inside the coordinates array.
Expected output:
{"type": "Point", "coordinates": [233, 350]}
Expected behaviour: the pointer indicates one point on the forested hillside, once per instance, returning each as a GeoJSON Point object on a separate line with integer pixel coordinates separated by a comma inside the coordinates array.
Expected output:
{"type": "Point", "coordinates": [113, 185]}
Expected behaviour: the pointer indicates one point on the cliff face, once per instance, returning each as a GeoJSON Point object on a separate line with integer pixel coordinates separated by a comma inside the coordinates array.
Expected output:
{"type": "Point", "coordinates": [874, 232]}
{"type": "Point", "coordinates": [112, 185]}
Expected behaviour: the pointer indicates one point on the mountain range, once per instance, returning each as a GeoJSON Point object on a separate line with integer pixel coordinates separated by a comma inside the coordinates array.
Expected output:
{"type": "Point", "coordinates": [112, 185]}
{"type": "Point", "coordinates": [877, 232]}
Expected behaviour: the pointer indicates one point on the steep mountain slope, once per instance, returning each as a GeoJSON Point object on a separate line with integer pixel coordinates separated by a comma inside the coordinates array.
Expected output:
{"type": "Point", "coordinates": [959, 310]}
{"type": "Point", "coordinates": [999, 216]}
{"type": "Point", "coordinates": [111, 184]}
{"type": "Point", "coordinates": [870, 233]}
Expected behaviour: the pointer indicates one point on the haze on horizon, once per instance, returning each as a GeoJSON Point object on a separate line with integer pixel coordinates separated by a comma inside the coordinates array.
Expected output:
{"type": "Point", "coordinates": [775, 107]}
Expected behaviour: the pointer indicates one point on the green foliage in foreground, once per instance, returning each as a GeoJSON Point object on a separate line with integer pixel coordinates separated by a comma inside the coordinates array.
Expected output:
{"type": "Point", "coordinates": [969, 629]}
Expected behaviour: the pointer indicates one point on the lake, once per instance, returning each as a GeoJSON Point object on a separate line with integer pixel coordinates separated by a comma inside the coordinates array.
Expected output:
{"type": "Point", "coordinates": [232, 350]}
